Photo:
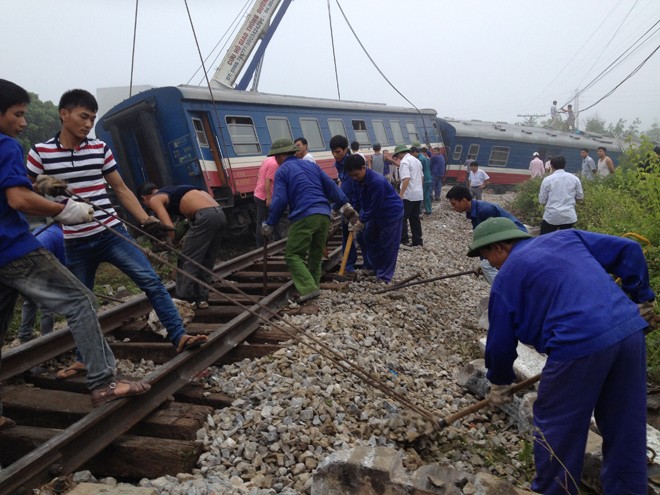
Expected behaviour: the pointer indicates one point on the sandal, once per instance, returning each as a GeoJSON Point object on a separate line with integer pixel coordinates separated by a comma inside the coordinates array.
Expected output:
{"type": "Point", "coordinates": [189, 342]}
{"type": "Point", "coordinates": [109, 392]}
{"type": "Point", "coordinates": [6, 423]}
{"type": "Point", "coordinates": [75, 369]}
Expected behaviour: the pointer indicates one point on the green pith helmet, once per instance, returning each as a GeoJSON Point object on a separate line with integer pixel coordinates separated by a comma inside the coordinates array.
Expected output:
{"type": "Point", "coordinates": [417, 144]}
{"type": "Point", "coordinates": [494, 230]}
{"type": "Point", "coordinates": [283, 145]}
{"type": "Point", "coordinates": [400, 149]}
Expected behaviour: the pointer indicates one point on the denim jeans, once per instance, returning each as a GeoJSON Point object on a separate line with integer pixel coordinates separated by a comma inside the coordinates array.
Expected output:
{"type": "Point", "coordinates": [29, 316]}
{"type": "Point", "coordinates": [84, 255]}
{"type": "Point", "coordinates": [437, 187]}
{"type": "Point", "coordinates": [41, 277]}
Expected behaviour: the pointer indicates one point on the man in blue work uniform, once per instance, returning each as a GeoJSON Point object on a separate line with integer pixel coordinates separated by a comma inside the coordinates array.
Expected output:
{"type": "Point", "coordinates": [556, 292]}
{"type": "Point", "coordinates": [438, 168]}
{"type": "Point", "coordinates": [381, 216]}
{"type": "Point", "coordinates": [340, 152]}
{"type": "Point", "coordinates": [478, 211]}
{"type": "Point", "coordinates": [308, 191]}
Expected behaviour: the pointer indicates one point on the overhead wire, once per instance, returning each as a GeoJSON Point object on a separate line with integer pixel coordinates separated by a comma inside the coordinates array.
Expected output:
{"type": "Point", "coordinates": [608, 43]}
{"type": "Point", "coordinates": [624, 80]}
{"type": "Point", "coordinates": [334, 56]}
{"type": "Point", "coordinates": [381, 72]}
{"type": "Point", "coordinates": [233, 26]}
{"type": "Point", "coordinates": [130, 85]}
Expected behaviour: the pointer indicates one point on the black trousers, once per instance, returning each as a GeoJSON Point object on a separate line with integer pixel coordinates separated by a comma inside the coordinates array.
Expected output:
{"type": "Point", "coordinates": [546, 227]}
{"type": "Point", "coordinates": [411, 211]}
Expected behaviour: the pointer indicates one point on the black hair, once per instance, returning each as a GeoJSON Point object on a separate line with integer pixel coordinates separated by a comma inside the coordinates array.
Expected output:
{"type": "Point", "coordinates": [353, 162]}
{"type": "Point", "coordinates": [459, 192]}
{"type": "Point", "coordinates": [12, 94]}
{"type": "Point", "coordinates": [376, 147]}
{"type": "Point", "coordinates": [355, 146]}
{"type": "Point", "coordinates": [584, 149]}
{"type": "Point", "coordinates": [602, 148]}
{"type": "Point", "coordinates": [558, 162]}
{"type": "Point", "coordinates": [78, 98]}
{"type": "Point", "coordinates": [147, 188]}
{"type": "Point", "coordinates": [301, 139]}
{"type": "Point", "coordinates": [414, 149]}
{"type": "Point", "coordinates": [338, 141]}
{"type": "Point", "coordinates": [554, 102]}
{"type": "Point", "coordinates": [475, 163]}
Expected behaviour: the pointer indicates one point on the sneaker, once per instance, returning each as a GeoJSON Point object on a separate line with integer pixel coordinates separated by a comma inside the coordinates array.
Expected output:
{"type": "Point", "coordinates": [201, 304]}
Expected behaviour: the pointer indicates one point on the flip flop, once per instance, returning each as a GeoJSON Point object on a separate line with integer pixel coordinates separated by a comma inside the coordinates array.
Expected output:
{"type": "Point", "coordinates": [109, 392]}
{"type": "Point", "coordinates": [6, 423]}
{"type": "Point", "coordinates": [77, 368]}
{"type": "Point", "coordinates": [189, 342]}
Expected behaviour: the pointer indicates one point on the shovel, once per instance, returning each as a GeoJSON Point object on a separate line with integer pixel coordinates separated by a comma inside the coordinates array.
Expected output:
{"type": "Point", "coordinates": [347, 250]}
{"type": "Point", "coordinates": [447, 420]}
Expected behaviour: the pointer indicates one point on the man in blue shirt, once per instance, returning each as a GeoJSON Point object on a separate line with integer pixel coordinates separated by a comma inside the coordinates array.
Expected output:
{"type": "Point", "coordinates": [438, 168]}
{"type": "Point", "coordinates": [381, 217]}
{"type": "Point", "coordinates": [557, 293]}
{"type": "Point", "coordinates": [308, 192]}
{"type": "Point", "coordinates": [478, 211]}
{"type": "Point", "coordinates": [27, 267]}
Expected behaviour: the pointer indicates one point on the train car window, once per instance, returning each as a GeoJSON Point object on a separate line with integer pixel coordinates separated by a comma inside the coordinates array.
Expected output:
{"type": "Point", "coordinates": [337, 128]}
{"type": "Point", "coordinates": [279, 128]}
{"type": "Point", "coordinates": [458, 151]}
{"type": "Point", "coordinates": [412, 131]}
{"type": "Point", "coordinates": [361, 134]}
{"type": "Point", "coordinates": [243, 135]}
{"type": "Point", "coordinates": [397, 134]}
{"type": "Point", "coordinates": [473, 151]}
{"type": "Point", "coordinates": [499, 156]}
{"type": "Point", "coordinates": [312, 132]}
{"type": "Point", "coordinates": [199, 132]}
{"type": "Point", "coordinates": [379, 131]}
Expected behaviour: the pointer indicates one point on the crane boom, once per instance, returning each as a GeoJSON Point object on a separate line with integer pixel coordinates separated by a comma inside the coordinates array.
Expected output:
{"type": "Point", "coordinates": [256, 27]}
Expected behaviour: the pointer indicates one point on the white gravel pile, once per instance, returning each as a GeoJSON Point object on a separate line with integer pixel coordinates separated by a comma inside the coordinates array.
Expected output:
{"type": "Point", "coordinates": [295, 407]}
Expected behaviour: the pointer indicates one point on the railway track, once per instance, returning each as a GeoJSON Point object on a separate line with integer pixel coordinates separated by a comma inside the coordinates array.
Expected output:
{"type": "Point", "coordinates": [58, 431]}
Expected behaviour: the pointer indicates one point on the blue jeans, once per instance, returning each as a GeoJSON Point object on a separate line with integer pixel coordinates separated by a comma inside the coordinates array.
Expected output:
{"type": "Point", "coordinates": [437, 187]}
{"type": "Point", "coordinates": [29, 316]}
{"type": "Point", "coordinates": [41, 277]}
{"type": "Point", "coordinates": [84, 255]}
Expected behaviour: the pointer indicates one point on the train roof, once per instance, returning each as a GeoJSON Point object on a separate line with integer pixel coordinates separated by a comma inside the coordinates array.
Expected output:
{"type": "Point", "coordinates": [523, 133]}
{"type": "Point", "coordinates": [255, 97]}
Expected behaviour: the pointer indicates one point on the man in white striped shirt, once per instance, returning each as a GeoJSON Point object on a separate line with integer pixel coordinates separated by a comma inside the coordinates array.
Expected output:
{"type": "Point", "coordinates": [87, 165]}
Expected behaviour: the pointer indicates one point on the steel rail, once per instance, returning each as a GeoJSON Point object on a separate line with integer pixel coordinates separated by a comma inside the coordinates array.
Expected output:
{"type": "Point", "coordinates": [75, 445]}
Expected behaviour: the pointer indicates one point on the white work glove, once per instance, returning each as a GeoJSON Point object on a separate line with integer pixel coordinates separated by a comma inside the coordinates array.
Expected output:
{"type": "Point", "coordinates": [647, 311]}
{"type": "Point", "coordinates": [356, 227]}
{"type": "Point", "coordinates": [266, 231]}
{"type": "Point", "coordinates": [75, 212]}
{"type": "Point", "coordinates": [47, 185]}
{"type": "Point", "coordinates": [500, 394]}
{"type": "Point", "coordinates": [349, 213]}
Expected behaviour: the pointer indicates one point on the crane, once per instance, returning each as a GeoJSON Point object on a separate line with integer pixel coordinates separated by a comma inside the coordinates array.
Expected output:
{"type": "Point", "coordinates": [256, 27]}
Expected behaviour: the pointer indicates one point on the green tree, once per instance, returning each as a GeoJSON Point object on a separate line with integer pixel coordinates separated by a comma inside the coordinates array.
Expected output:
{"type": "Point", "coordinates": [653, 133]}
{"type": "Point", "coordinates": [43, 122]}
{"type": "Point", "coordinates": [620, 130]}
{"type": "Point", "coordinates": [595, 124]}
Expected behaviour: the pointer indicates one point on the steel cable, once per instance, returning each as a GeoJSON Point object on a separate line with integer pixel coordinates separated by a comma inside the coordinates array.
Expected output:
{"type": "Point", "coordinates": [294, 332]}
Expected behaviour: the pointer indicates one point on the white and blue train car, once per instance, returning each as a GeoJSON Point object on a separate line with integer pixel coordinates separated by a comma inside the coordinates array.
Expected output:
{"type": "Point", "coordinates": [504, 151]}
{"type": "Point", "coordinates": [183, 135]}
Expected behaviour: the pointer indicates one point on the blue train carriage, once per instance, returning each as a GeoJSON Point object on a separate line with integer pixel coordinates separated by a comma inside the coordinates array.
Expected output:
{"type": "Point", "coordinates": [180, 135]}
{"type": "Point", "coordinates": [505, 150]}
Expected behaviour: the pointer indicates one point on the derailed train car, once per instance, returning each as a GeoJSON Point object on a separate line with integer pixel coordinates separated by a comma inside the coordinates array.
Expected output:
{"type": "Point", "coordinates": [217, 141]}
{"type": "Point", "coordinates": [504, 150]}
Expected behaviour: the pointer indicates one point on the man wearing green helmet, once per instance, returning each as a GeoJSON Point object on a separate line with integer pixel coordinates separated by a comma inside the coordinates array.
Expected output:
{"type": "Point", "coordinates": [556, 293]}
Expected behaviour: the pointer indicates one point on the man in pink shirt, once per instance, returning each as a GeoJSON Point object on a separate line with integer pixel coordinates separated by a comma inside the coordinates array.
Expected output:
{"type": "Point", "coordinates": [263, 194]}
{"type": "Point", "coordinates": [536, 167]}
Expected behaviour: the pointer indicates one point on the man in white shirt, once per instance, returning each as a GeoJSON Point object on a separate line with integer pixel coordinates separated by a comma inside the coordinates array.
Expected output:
{"type": "Point", "coordinates": [536, 168]}
{"type": "Point", "coordinates": [588, 165]}
{"type": "Point", "coordinates": [412, 194]}
{"type": "Point", "coordinates": [478, 180]}
{"type": "Point", "coordinates": [302, 153]}
{"type": "Point", "coordinates": [558, 193]}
